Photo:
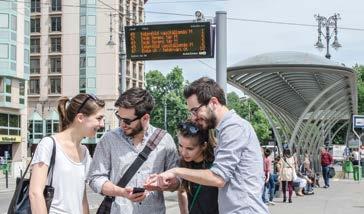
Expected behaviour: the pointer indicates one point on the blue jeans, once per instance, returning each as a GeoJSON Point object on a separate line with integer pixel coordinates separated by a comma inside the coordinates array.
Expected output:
{"type": "Point", "coordinates": [270, 185]}
{"type": "Point", "coordinates": [325, 175]}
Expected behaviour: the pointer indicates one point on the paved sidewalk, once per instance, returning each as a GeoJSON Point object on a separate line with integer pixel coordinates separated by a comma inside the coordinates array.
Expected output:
{"type": "Point", "coordinates": [343, 197]}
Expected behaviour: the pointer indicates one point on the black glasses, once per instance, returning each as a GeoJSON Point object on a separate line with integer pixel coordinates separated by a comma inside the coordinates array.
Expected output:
{"type": "Point", "coordinates": [189, 127]}
{"type": "Point", "coordinates": [194, 111]}
{"type": "Point", "coordinates": [89, 96]}
{"type": "Point", "coordinates": [126, 120]}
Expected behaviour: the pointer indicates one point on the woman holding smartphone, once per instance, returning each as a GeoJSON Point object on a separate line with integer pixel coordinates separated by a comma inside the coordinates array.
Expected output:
{"type": "Point", "coordinates": [196, 151]}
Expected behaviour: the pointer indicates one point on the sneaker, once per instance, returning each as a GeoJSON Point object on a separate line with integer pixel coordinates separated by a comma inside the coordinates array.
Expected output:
{"type": "Point", "coordinates": [271, 203]}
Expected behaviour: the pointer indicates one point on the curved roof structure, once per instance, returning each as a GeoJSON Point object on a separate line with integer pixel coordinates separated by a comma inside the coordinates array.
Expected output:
{"type": "Point", "coordinates": [302, 95]}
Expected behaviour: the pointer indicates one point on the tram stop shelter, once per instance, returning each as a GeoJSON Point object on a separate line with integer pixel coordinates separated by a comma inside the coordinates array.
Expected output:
{"type": "Point", "coordinates": [302, 95]}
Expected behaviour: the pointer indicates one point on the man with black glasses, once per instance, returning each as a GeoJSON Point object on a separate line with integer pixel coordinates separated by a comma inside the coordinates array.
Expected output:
{"type": "Point", "coordinates": [117, 150]}
{"type": "Point", "coordinates": [238, 166]}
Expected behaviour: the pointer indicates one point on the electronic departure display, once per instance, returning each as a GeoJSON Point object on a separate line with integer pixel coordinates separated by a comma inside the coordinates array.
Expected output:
{"type": "Point", "coordinates": [169, 41]}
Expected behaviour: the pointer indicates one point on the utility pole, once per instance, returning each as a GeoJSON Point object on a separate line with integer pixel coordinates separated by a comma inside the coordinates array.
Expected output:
{"type": "Point", "coordinates": [121, 54]}
{"type": "Point", "coordinates": [221, 52]}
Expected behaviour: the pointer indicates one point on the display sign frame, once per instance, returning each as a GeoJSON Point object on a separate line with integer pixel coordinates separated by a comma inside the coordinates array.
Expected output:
{"type": "Point", "coordinates": [182, 40]}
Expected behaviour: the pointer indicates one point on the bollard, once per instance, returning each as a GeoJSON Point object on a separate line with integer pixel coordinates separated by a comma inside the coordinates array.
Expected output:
{"type": "Point", "coordinates": [6, 179]}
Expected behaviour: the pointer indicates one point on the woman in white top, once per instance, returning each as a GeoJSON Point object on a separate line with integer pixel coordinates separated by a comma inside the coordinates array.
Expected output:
{"type": "Point", "coordinates": [80, 117]}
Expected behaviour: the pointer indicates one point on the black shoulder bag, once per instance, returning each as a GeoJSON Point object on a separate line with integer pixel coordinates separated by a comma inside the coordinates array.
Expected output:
{"type": "Point", "coordinates": [20, 203]}
{"type": "Point", "coordinates": [158, 134]}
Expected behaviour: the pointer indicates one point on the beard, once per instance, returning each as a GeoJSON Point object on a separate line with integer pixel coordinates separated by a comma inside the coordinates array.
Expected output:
{"type": "Point", "coordinates": [210, 120]}
{"type": "Point", "coordinates": [134, 131]}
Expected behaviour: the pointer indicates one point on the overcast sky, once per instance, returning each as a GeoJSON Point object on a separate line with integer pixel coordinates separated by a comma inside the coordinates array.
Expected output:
{"type": "Point", "coordinates": [247, 38]}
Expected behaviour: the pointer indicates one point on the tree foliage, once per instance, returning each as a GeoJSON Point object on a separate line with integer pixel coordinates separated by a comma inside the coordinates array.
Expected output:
{"type": "Point", "coordinates": [360, 85]}
{"type": "Point", "coordinates": [250, 111]}
{"type": "Point", "coordinates": [167, 90]}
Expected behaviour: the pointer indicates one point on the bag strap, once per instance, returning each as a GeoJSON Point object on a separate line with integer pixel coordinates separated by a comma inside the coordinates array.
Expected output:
{"type": "Point", "coordinates": [152, 143]}
{"type": "Point", "coordinates": [53, 160]}
{"type": "Point", "coordinates": [53, 157]}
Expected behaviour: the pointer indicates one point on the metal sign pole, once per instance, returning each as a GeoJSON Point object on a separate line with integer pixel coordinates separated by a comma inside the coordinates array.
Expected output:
{"type": "Point", "coordinates": [358, 122]}
{"type": "Point", "coordinates": [221, 52]}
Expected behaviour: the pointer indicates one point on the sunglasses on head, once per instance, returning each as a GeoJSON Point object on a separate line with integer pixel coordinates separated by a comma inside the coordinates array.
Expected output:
{"type": "Point", "coordinates": [88, 97]}
{"type": "Point", "coordinates": [127, 121]}
{"type": "Point", "coordinates": [189, 127]}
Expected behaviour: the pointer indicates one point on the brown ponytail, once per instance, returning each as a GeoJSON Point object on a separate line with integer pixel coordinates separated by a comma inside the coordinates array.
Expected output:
{"type": "Point", "coordinates": [64, 121]}
{"type": "Point", "coordinates": [81, 103]}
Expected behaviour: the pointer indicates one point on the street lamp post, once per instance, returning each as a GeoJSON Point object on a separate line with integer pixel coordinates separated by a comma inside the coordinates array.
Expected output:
{"type": "Point", "coordinates": [122, 57]}
{"type": "Point", "coordinates": [327, 23]}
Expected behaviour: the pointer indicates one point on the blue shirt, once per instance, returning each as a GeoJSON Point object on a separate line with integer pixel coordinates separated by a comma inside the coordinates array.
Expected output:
{"type": "Point", "coordinates": [239, 161]}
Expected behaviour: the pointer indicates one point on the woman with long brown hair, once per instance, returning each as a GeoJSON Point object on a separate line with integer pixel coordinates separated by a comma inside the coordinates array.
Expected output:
{"type": "Point", "coordinates": [80, 117]}
{"type": "Point", "coordinates": [196, 150]}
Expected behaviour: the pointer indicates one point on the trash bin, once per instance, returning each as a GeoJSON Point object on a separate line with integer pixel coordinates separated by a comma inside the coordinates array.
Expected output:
{"type": "Point", "coordinates": [348, 166]}
{"type": "Point", "coordinates": [357, 173]}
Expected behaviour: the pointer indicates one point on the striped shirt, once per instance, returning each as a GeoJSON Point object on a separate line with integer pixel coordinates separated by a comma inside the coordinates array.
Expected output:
{"type": "Point", "coordinates": [115, 153]}
{"type": "Point", "coordinates": [239, 161]}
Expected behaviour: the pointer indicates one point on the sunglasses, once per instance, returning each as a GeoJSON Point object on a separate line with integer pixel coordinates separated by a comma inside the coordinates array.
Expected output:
{"type": "Point", "coordinates": [126, 120]}
{"type": "Point", "coordinates": [189, 128]}
{"type": "Point", "coordinates": [88, 97]}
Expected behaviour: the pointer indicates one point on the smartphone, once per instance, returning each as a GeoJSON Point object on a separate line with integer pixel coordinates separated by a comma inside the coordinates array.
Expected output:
{"type": "Point", "coordinates": [138, 190]}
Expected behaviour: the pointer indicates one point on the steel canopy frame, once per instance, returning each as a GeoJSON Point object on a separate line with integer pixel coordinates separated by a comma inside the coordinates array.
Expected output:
{"type": "Point", "coordinates": [301, 94]}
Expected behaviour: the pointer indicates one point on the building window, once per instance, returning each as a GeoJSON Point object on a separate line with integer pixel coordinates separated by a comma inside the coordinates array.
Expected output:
{"type": "Point", "coordinates": [35, 25]}
{"type": "Point", "coordinates": [55, 65]}
{"type": "Point", "coordinates": [82, 44]}
{"type": "Point", "coordinates": [82, 62]}
{"type": "Point", "coordinates": [8, 85]}
{"type": "Point", "coordinates": [35, 45]}
{"type": "Point", "coordinates": [9, 124]}
{"type": "Point", "coordinates": [13, 23]}
{"type": "Point", "coordinates": [34, 65]}
{"type": "Point", "coordinates": [4, 51]}
{"type": "Point", "coordinates": [4, 20]}
{"type": "Point", "coordinates": [83, 20]}
{"type": "Point", "coordinates": [21, 92]}
{"type": "Point", "coordinates": [35, 6]}
{"type": "Point", "coordinates": [56, 5]}
{"type": "Point", "coordinates": [91, 61]}
{"type": "Point", "coordinates": [52, 127]}
{"type": "Point", "coordinates": [35, 129]}
{"type": "Point", "coordinates": [34, 86]}
{"type": "Point", "coordinates": [82, 83]}
{"type": "Point", "coordinates": [56, 44]}
{"type": "Point", "coordinates": [55, 85]}
{"type": "Point", "coordinates": [13, 52]}
{"type": "Point", "coordinates": [91, 41]}
{"type": "Point", "coordinates": [56, 23]}
{"type": "Point", "coordinates": [91, 20]}
{"type": "Point", "coordinates": [26, 56]}
{"type": "Point", "coordinates": [26, 28]}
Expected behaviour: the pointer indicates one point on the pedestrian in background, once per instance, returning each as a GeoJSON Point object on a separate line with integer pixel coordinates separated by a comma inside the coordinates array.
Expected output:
{"type": "Point", "coordinates": [326, 161]}
{"type": "Point", "coordinates": [287, 174]}
{"type": "Point", "coordinates": [80, 117]}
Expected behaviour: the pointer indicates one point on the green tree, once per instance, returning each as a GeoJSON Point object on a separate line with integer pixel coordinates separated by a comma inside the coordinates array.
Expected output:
{"type": "Point", "coordinates": [360, 85]}
{"type": "Point", "coordinates": [250, 111]}
{"type": "Point", "coordinates": [167, 90]}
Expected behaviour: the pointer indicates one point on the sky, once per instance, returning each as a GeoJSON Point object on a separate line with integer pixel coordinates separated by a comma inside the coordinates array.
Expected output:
{"type": "Point", "coordinates": [247, 38]}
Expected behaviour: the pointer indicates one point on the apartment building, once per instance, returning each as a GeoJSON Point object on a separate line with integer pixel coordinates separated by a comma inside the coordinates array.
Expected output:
{"type": "Point", "coordinates": [76, 46]}
{"type": "Point", "coordinates": [14, 73]}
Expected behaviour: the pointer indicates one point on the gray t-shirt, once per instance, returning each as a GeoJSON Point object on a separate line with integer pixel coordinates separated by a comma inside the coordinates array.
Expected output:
{"type": "Point", "coordinates": [69, 177]}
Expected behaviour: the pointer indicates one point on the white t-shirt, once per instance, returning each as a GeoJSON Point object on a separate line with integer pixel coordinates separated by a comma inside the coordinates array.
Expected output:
{"type": "Point", "coordinates": [69, 177]}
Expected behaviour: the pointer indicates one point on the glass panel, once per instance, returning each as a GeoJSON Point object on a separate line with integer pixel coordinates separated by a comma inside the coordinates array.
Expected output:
{"type": "Point", "coordinates": [14, 121]}
{"type": "Point", "coordinates": [48, 127]}
{"type": "Point", "coordinates": [13, 52]}
{"type": "Point", "coordinates": [56, 5]}
{"type": "Point", "coordinates": [35, 25]}
{"type": "Point", "coordinates": [13, 23]}
{"type": "Point", "coordinates": [38, 127]}
{"type": "Point", "coordinates": [91, 20]}
{"type": "Point", "coordinates": [56, 45]}
{"type": "Point", "coordinates": [34, 86]}
{"type": "Point", "coordinates": [4, 120]}
{"type": "Point", "coordinates": [34, 65]}
{"type": "Point", "coordinates": [55, 126]}
{"type": "Point", "coordinates": [4, 131]}
{"type": "Point", "coordinates": [55, 87]}
{"type": "Point", "coordinates": [35, 6]}
{"type": "Point", "coordinates": [21, 88]}
{"type": "Point", "coordinates": [4, 20]}
{"type": "Point", "coordinates": [56, 24]}
{"type": "Point", "coordinates": [4, 51]}
{"type": "Point", "coordinates": [7, 85]}
{"type": "Point", "coordinates": [14, 132]}
{"type": "Point", "coordinates": [56, 64]}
